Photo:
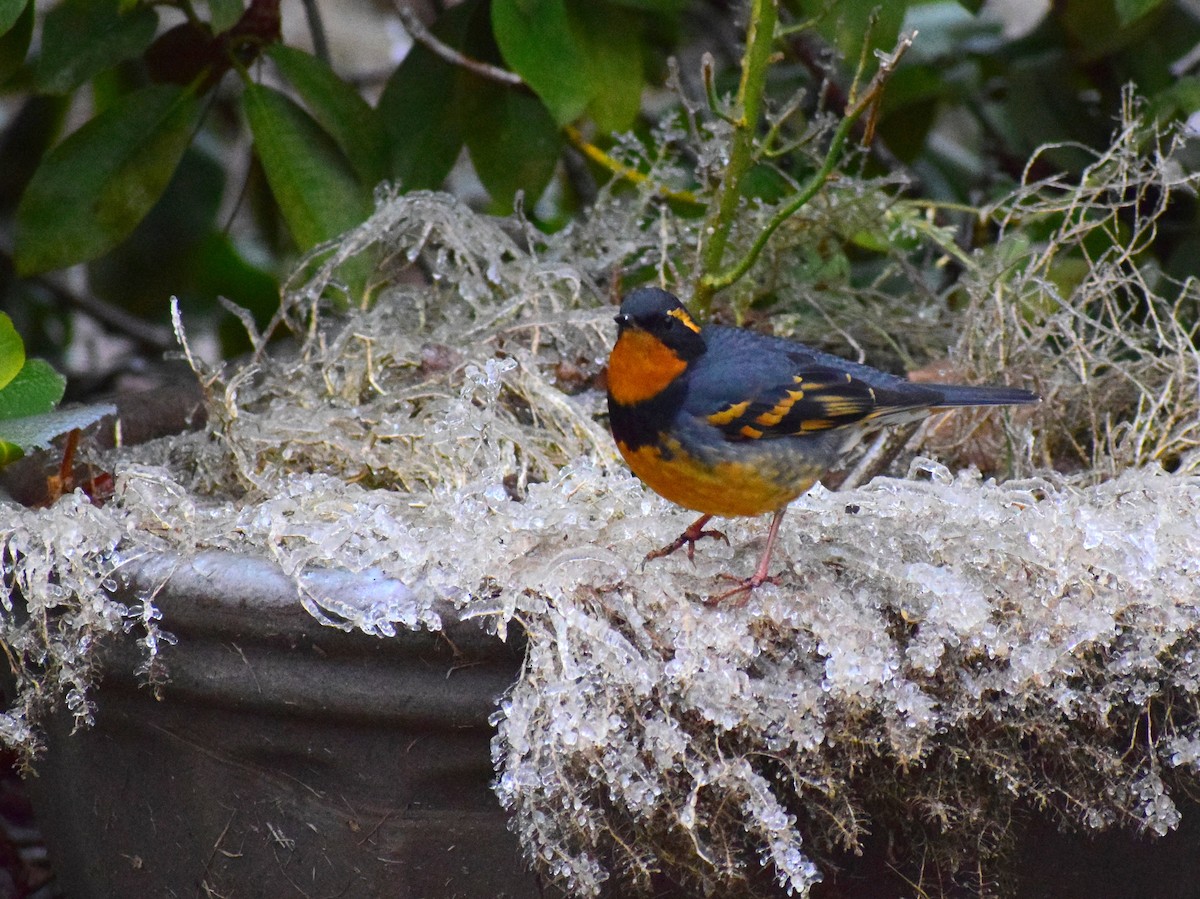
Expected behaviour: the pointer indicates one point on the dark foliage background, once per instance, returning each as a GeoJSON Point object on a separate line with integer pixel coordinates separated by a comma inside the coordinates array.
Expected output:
{"type": "Point", "coordinates": [180, 148]}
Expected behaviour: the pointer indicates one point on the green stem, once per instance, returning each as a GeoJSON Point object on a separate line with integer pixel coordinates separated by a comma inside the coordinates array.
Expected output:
{"type": "Point", "coordinates": [712, 280]}
{"type": "Point", "coordinates": [720, 280]}
{"type": "Point", "coordinates": [760, 37]}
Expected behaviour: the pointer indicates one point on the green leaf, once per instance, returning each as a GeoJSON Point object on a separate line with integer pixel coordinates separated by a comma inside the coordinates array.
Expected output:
{"type": "Point", "coordinates": [610, 41]}
{"type": "Point", "coordinates": [91, 190]}
{"type": "Point", "coordinates": [38, 430]}
{"type": "Point", "coordinates": [1179, 100]}
{"type": "Point", "coordinates": [159, 258]}
{"type": "Point", "coordinates": [14, 41]}
{"type": "Point", "coordinates": [10, 11]}
{"type": "Point", "coordinates": [667, 7]}
{"type": "Point", "coordinates": [9, 453]}
{"type": "Point", "coordinates": [83, 37]}
{"type": "Point", "coordinates": [1100, 28]}
{"type": "Point", "coordinates": [224, 14]}
{"type": "Point", "coordinates": [12, 351]}
{"type": "Point", "coordinates": [845, 23]}
{"type": "Point", "coordinates": [944, 32]}
{"type": "Point", "coordinates": [514, 145]}
{"type": "Point", "coordinates": [309, 177]}
{"type": "Point", "coordinates": [1043, 106]}
{"type": "Point", "coordinates": [577, 55]}
{"type": "Point", "coordinates": [1131, 10]}
{"type": "Point", "coordinates": [420, 109]}
{"type": "Point", "coordinates": [338, 108]}
{"type": "Point", "coordinates": [538, 42]}
{"type": "Point", "coordinates": [971, 6]}
{"type": "Point", "coordinates": [765, 182]}
{"type": "Point", "coordinates": [224, 271]}
{"type": "Point", "coordinates": [28, 134]}
{"type": "Point", "coordinates": [909, 109]}
{"type": "Point", "coordinates": [36, 389]}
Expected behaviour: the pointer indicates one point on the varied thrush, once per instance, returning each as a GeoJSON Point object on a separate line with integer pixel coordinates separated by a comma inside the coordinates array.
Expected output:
{"type": "Point", "coordinates": [729, 422]}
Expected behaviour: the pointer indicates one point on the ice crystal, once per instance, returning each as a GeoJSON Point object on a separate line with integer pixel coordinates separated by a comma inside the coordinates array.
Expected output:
{"type": "Point", "coordinates": [937, 641]}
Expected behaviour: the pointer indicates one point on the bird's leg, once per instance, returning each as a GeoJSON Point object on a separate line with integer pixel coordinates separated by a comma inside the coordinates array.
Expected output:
{"type": "Point", "coordinates": [689, 537]}
{"type": "Point", "coordinates": [760, 576]}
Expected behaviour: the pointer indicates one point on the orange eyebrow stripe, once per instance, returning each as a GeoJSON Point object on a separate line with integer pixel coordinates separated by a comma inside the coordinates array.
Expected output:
{"type": "Point", "coordinates": [682, 315]}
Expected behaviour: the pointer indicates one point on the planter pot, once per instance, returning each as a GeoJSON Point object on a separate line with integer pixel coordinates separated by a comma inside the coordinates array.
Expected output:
{"type": "Point", "coordinates": [287, 758]}
{"type": "Point", "coordinates": [284, 757]}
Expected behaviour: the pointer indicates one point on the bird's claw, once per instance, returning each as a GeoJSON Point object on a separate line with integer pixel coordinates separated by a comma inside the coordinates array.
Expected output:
{"type": "Point", "coordinates": [745, 586]}
{"type": "Point", "coordinates": [687, 538]}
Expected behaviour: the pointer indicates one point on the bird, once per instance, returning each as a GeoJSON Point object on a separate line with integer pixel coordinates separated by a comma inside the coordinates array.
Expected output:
{"type": "Point", "coordinates": [729, 422]}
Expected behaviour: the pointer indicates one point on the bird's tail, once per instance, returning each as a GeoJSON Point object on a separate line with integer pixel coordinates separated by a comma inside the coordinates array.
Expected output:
{"type": "Point", "coordinates": [953, 395]}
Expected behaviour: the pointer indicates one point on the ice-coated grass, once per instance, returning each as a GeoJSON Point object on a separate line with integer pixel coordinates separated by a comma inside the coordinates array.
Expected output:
{"type": "Point", "coordinates": [940, 647]}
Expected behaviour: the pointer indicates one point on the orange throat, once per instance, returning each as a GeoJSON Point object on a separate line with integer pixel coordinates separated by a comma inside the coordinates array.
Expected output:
{"type": "Point", "coordinates": [641, 367]}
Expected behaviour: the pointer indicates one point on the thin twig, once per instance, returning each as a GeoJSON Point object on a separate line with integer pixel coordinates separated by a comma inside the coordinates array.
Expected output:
{"type": "Point", "coordinates": [618, 168]}
{"type": "Point", "coordinates": [148, 334]}
{"type": "Point", "coordinates": [422, 35]}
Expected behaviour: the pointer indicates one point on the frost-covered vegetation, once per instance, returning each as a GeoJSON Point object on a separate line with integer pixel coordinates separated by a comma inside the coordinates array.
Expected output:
{"type": "Point", "coordinates": [941, 646]}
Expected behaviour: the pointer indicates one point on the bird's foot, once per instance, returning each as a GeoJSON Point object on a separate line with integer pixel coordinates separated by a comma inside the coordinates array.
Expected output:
{"type": "Point", "coordinates": [745, 586]}
{"type": "Point", "coordinates": [688, 538]}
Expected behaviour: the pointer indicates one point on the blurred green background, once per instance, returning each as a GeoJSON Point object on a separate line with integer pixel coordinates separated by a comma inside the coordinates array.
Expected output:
{"type": "Point", "coordinates": [197, 149]}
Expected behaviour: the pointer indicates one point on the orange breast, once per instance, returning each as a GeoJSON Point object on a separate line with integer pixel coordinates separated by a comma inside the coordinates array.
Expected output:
{"type": "Point", "coordinates": [725, 488]}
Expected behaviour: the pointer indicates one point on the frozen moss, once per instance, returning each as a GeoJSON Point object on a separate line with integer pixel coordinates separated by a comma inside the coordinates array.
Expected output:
{"type": "Point", "coordinates": [940, 647]}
